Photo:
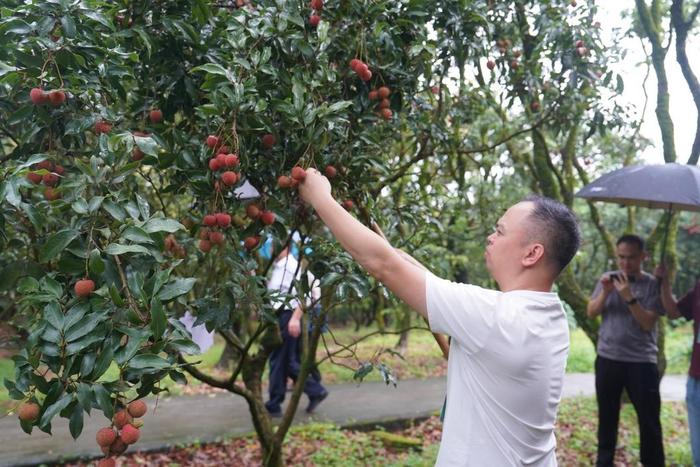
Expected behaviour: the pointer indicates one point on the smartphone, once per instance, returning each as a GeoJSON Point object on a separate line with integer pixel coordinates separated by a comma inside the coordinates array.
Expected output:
{"type": "Point", "coordinates": [614, 276]}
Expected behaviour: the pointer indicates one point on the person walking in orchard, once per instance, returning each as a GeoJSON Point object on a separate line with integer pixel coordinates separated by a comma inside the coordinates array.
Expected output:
{"type": "Point", "coordinates": [508, 349]}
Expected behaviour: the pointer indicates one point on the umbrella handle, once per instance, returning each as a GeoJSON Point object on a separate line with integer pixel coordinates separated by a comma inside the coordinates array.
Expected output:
{"type": "Point", "coordinates": [665, 241]}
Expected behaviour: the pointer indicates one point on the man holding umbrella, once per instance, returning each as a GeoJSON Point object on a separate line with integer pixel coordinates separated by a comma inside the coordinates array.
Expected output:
{"type": "Point", "coordinates": [628, 300]}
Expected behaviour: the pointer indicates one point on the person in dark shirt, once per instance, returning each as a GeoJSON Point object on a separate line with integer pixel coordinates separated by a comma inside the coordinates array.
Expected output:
{"type": "Point", "coordinates": [687, 307]}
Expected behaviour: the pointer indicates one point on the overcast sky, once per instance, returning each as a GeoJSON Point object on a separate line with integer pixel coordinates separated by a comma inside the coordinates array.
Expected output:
{"type": "Point", "coordinates": [633, 70]}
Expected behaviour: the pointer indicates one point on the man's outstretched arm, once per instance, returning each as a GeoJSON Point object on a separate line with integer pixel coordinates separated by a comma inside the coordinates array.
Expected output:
{"type": "Point", "coordinates": [373, 253]}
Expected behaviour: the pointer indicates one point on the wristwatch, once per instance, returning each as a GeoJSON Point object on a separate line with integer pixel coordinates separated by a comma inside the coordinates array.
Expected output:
{"type": "Point", "coordinates": [631, 301]}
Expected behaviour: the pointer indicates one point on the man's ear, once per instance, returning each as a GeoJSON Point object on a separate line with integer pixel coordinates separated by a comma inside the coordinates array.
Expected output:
{"type": "Point", "coordinates": [533, 254]}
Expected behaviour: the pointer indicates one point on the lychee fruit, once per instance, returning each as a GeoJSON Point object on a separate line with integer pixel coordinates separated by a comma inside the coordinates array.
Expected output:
{"type": "Point", "coordinates": [490, 64]}
{"type": "Point", "coordinates": [386, 114]}
{"type": "Point", "coordinates": [212, 141]}
{"type": "Point", "coordinates": [223, 219]}
{"type": "Point", "coordinates": [137, 408]}
{"type": "Point", "coordinates": [105, 436]}
{"type": "Point", "coordinates": [314, 20]}
{"type": "Point", "coordinates": [130, 434]}
{"type": "Point", "coordinates": [268, 140]}
{"type": "Point", "coordinates": [229, 178]}
{"type": "Point", "coordinates": [231, 160]}
{"type": "Point", "coordinates": [33, 177]}
{"type": "Point", "coordinates": [210, 220]}
{"type": "Point", "coordinates": [38, 96]}
{"type": "Point", "coordinates": [383, 92]}
{"type": "Point", "coordinates": [354, 63]}
{"type": "Point", "coordinates": [330, 171]}
{"type": "Point", "coordinates": [317, 5]}
{"type": "Point", "coordinates": [121, 418]}
{"type": "Point", "coordinates": [118, 446]}
{"type": "Point", "coordinates": [250, 242]}
{"type": "Point", "coordinates": [29, 411]}
{"type": "Point", "coordinates": [282, 181]}
{"type": "Point", "coordinates": [51, 194]}
{"type": "Point", "coordinates": [50, 179]}
{"type": "Point", "coordinates": [267, 217]}
{"type": "Point", "coordinates": [57, 98]}
{"type": "Point", "coordinates": [84, 287]}
{"type": "Point", "coordinates": [214, 164]}
{"type": "Point", "coordinates": [205, 246]}
{"type": "Point", "coordinates": [298, 173]}
{"type": "Point", "coordinates": [348, 204]}
{"type": "Point", "coordinates": [372, 95]}
{"type": "Point", "coordinates": [217, 238]}
{"type": "Point", "coordinates": [155, 115]}
{"type": "Point", "coordinates": [252, 211]}
{"type": "Point", "coordinates": [107, 462]}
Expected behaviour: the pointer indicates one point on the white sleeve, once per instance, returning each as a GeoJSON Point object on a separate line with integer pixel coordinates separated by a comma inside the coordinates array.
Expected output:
{"type": "Point", "coordinates": [465, 312]}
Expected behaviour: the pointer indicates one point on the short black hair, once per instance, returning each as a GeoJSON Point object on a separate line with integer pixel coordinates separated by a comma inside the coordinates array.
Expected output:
{"type": "Point", "coordinates": [631, 239]}
{"type": "Point", "coordinates": [556, 227]}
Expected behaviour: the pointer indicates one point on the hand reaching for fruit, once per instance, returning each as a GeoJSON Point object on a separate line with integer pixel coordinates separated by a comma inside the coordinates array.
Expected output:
{"type": "Point", "coordinates": [314, 186]}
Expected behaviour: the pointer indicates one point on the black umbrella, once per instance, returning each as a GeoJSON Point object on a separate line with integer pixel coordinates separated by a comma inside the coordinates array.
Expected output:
{"type": "Point", "coordinates": [673, 187]}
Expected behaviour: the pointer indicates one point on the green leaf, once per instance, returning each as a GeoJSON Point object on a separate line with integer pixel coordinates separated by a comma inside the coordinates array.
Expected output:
{"type": "Point", "coordinates": [95, 203]}
{"type": "Point", "coordinates": [75, 314]}
{"type": "Point", "coordinates": [84, 327]}
{"type": "Point", "coordinates": [103, 361]}
{"type": "Point", "coordinates": [84, 394]}
{"type": "Point", "coordinates": [147, 144]}
{"type": "Point", "coordinates": [185, 346]}
{"type": "Point", "coordinates": [136, 234]}
{"type": "Point", "coordinates": [76, 422]}
{"type": "Point", "coordinates": [114, 210]}
{"type": "Point", "coordinates": [80, 206]}
{"type": "Point", "coordinates": [68, 26]}
{"type": "Point", "coordinates": [53, 314]}
{"type": "Point", "coordinates": [81, 344]}
{"type": "Point", "coordinates": [158, 319]}
{"type": "Point", "coordinates": [162, 224]}
{"type": "Point", "coordinates": [148, 362]}
{"type": "Point", "coordinates": [27, 285]}
{"type": "Point", "coordinates": [365, 369]}
{"type": "Point", "coordinates": [211, 68]}
{"type": "Point", "coordinates": [117, 249]}
{"type": "Point", "coordinates": [55, 408]}
{"type": "Point", "coordinates": [5, 68]}
{"type": "Point", "coordinates": [95, 264]}
{"type": "Point", "coordinates": [104, 400]}
{"type": "Point", "coordinates": [56, 243]}
{"type": "Point", "coordinates": [179, 286]}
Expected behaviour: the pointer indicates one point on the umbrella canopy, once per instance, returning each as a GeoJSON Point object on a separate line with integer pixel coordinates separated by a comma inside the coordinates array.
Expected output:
{"type": "Point", "coordinates": [666, 186]}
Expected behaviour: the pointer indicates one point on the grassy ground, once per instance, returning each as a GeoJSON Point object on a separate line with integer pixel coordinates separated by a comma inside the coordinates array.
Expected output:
{"type": "Point", "coordinates": [328, 445]}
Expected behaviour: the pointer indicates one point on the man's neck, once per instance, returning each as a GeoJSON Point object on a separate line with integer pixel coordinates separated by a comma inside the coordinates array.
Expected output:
{"type": "Point", "coordinates": [528, 283]}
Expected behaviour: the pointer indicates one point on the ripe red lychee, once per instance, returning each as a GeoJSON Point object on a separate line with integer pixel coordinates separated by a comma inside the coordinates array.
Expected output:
{"type": "Point", "coordinates": [581, 51]}
{"type": "Point", "coordinates": [250, 242]}
{"type": "Point", "coordinates": [130, 434]}
{"type": "Point", "coordinates": [50, 194]}
{"type": "Point", "coordinates": [231, 160]}
{"type": "Point", "coordinates": [137, 154]}
{"type": "Point", "coordinates": [372, 95]}
{"type": "Point", "coordinates": [84, 287]}
{"type": "Point", "coordinates": [214, 164]}
{"type": "Point", "coordinates": [107, 462]}
{"type": "Point", "coordinates": [223, 149]}
{"type": "Point", "coordinates": [212, 141]}
{"type": "Point", "coordinates": [365, 75]}
{"type": "Point", "coordinates": [121, 418]}
{"type": "Point", "coordinates": [514, 64]}
{"type": "Point", "coordinates": [29, 411]}
{"type": "Point", "coordinates": [490, 64]}
{"type": "Point", "coordinates": [205, 246]}
{"type": "Point", "coordinates": [298, 173]}
{"type": "Point", "coordinates": [384, 104]}
{"type": "Point", "coordinates": [579, 43]}
{"type": "Point", "coordinates": [221, 159]}
{"type": "Point", "coordinates": [223, 219]}
{"type": "Point", "coordinates": [252, 211]}
{"type": "Point", "coordinates": [330, 171]}
{"type": "Point", "coordinates": [317, 5]}
{"type": "Point", "coordinates": [50, 179]}
{"type": "Point", "coordinates": [217, 238]}
{"type": "Point", "coordinates": [267, 217]}
{"type": "Point", "coordinates": [314, 20]}
{"type": "Point", "coordinates": [45, 164]}
{"type": "Point", "coordinates": [105, 436]}
{"type": "Point", "coordinates": [204, 233]}
{"type": "Point", "coordinates": [57, 98]}
{"type": "Point", "coordinates": [284, 182]}
{"type": "Point", "coordinates": [38, 96]}
{"type": "Point", "coordinates": [268, 140]}
{"type": "Point", "coordinates": [155, 115]}
{"type": "Point", "coordinates": [354, 63]}
{"type": "Point", "coordinates": [210, 220]}
{"type": "Point", "coordinates": [59, 170]}
{"type": "Point", "coordinates": [383, 92]}
{"type": "Point", "coordinates": [102, 127]}
{"type": "Point", "coordinates": [386, 114]}
{"type": "Point", "coordinates": [33, 177]}
{"type": "Point", "coordinates": [229, 178]}
{"type": "Point", "coordinates": [137, 408]}
{"type": "Point", "coordinates": [348, 204]}
{"type": "Point", "coordinates": [535, 106]}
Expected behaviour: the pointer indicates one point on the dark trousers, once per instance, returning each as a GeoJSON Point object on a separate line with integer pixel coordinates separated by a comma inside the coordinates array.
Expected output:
{"type": "Point", "coordinates": [285, 363]}
{"type": "Point", "coordinates": [641, 380]}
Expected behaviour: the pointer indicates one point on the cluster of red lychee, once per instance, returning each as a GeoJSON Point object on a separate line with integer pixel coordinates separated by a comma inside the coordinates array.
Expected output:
{"type": "Point", "coordinates": [115, 439]}
{"type": "Point", "coordinates": [361, 68]}
{"type": "Point", "coordinates": [173, 247]}
{"type": "Point", "coordinates": [50, 179]}
{"type": "Point", "coordinates": [255, 213]}
{"type": "Point", "coordinates": [297, 175]}
{"type": "Point", "coordinates": [223, 161]}
{"type": "Point", "coordinates": [211, 235]}
{"type": "Point", "coordinates": [382, 95]}
{"type": "Point", "coordinates": [315, 18]}
{"type": "Point", "coordinates": [39, 97]}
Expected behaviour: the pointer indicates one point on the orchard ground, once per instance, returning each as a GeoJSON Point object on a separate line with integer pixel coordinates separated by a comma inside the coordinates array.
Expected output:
{"type": "Point", "coordinates": [327, 444]}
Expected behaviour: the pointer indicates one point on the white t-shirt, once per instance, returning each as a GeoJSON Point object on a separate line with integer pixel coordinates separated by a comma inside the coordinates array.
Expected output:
{"type": "Point", "coordinates": [504, 375]}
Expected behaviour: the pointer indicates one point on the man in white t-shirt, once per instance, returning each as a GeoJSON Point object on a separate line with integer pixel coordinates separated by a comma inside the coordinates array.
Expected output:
{"type": "Point", "coordinates": [509, 347]}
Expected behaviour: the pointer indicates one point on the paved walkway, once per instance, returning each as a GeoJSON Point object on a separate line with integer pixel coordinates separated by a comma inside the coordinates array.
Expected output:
{"type": "Point", "coordinates": [183, 420]}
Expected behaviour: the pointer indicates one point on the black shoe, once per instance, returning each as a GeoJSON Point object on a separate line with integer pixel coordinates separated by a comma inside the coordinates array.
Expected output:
{"type": "Point", "coordinates": [315, 401]}
{"type": "Point", "coordinates": [274, 414]}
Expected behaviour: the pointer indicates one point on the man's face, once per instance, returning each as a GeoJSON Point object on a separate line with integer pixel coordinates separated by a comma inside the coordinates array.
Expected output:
{"type": "Point", "coordinates": [630, 258]}
{"type": "Point", "coordinates": [504, 247]}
